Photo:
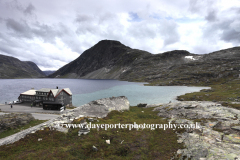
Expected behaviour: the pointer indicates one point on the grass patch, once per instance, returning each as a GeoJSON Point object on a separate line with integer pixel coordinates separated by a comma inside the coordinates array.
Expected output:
{"type": "Point", "coordinates": [125, 143]}
{"type": "Point", "coordinates": [13, 131]}
{"type": "Point", "coordinates": [227, 92]}
{"type": "Point", "coordinates": [70, 107]}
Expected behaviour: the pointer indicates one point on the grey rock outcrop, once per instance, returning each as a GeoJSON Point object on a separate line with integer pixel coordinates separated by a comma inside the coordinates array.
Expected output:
{"type": "Point", "coordinates": [218, 137]}
{"type": "Point", "coordinates": [84, 130]}
{"type": "Point", "coordinates": [14, 120]}
{"type": "Point", "coordinates": [100, 108]}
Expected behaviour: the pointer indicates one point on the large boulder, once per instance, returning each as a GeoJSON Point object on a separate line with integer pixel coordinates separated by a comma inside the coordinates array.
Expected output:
{"type": "Point", "coordinates": [14, 120]}
{"type": "Point", "coordinates": [101, 107]}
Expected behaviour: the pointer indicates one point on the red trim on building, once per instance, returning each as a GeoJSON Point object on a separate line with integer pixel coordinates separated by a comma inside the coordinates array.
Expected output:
{"type": "Point", "coordinates": [50, 93]}
{"type": "Point", "coordinates": [61, 91]}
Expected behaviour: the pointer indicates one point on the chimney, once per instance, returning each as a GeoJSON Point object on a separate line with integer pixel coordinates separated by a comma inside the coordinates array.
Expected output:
{"type": "Point", "coordinates": [57, 87]}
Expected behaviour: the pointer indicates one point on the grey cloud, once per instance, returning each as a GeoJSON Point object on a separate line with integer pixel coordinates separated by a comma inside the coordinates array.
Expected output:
{"type": "Point", "coordinates": [143, 30]}
{"type": "Point", "coordinates": [226, 28]}
{"type": "Point", "coordinates": [231, 35]}
{"type": "Point", "coordinates": [25, 52]}
{"type": "Point", "coordinates": [170, 32]}
{"type": "Point", "coordinates": [201, 49]}
{"type": "Point", "coordinates": [200, 6]}
{"type": "Point", "coordinates": [102, 24]}
{"type": "Point", "coordinates": [83, 18]}
{"type": "Point", "coordinates": [46, 32]}
{"type": "Point", "coordinates": [21, 29]}
{"type": "Point", "coordinates": [29, 10]}
{"type": "Point", "coordinates": [108, 26]}
{"type": "Point", "coordinates": [87, 28]}
{"type": "Point", "coordinates": [86, 24]}
{"type": "Point", "coordinates": [194, 6]}
{"type": "Point", "coordinates": [211, 16]}
{"type": "Point", "coordinates": [206, 8]}
{"type": "Point", "coordinates": [7, 50]}
{"type": "Point", "coordinates": [151, 28]}
{"type": "Point", "coordinates": [106, 17]}
{"type": "Point", "coordinates": [69, 37]}
{"type": "Point", "coordinates": [14, 4]}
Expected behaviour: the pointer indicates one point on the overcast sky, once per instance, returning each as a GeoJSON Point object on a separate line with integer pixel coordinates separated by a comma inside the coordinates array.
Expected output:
{"type": "Point", "coordinates": [55, 32]}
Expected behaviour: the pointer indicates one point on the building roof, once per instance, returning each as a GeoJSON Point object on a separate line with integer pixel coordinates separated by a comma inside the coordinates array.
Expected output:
{"type": "Point", "coordinates": [55, 91]}
{"type": "Point", "coordinates": [68, 91]}
{"type": "Point", "coordinates": [30, 92]}
{"type": "Point", "coordinates": [44, 90]}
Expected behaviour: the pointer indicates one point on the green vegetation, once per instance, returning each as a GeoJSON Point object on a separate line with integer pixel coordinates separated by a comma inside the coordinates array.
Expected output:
{"type": "Point", "coordinates": [70, 107]}
{"type": "Point", "coordinates": [226, 93]}
{"type": "Point", "coordinates": [13, 131]}
{"type": "Point", "coordinates": [124, 143]}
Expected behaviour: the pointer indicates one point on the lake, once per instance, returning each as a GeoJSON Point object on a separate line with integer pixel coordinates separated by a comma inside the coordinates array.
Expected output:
{"type": "Point", "coordinates": [85, 91]}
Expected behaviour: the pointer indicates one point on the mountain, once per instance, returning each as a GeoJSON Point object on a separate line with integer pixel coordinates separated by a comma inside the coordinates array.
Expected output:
{"type": "Point", "coordinates": [179, 68]}
{"type": "Point", "coordinates": [105, 60]}
{"type": "Point", "coordinates": [113, 60]}
{"type": "Point", "coordinates": [11, 67]}
{"type": "Point", "coordinates": [47, 73]}
{"type": "Point", "coordinates": [35, 67]}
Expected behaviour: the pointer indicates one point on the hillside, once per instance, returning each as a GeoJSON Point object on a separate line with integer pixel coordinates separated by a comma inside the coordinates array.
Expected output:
{"type": "Point", "coordinates": [11, 67]}
{"type": "Point", "coordinates": [183, 68]}
{"type": "Point", "coordinates": [48, 72]}
{"type": "Point", "coordinates": [113, 60]}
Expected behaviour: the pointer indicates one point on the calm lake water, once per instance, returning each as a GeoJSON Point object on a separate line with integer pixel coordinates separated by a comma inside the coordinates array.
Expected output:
{"type": "Point", "coordinates": [85, 91]}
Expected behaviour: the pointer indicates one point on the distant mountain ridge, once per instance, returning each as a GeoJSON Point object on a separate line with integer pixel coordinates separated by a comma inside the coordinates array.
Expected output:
{"type": "Point", "coordinates": [47, 73]}
{"type": "Point", "coordinates": [11, 67]}
{"type": "Point", "coordinates": [112, 60]}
